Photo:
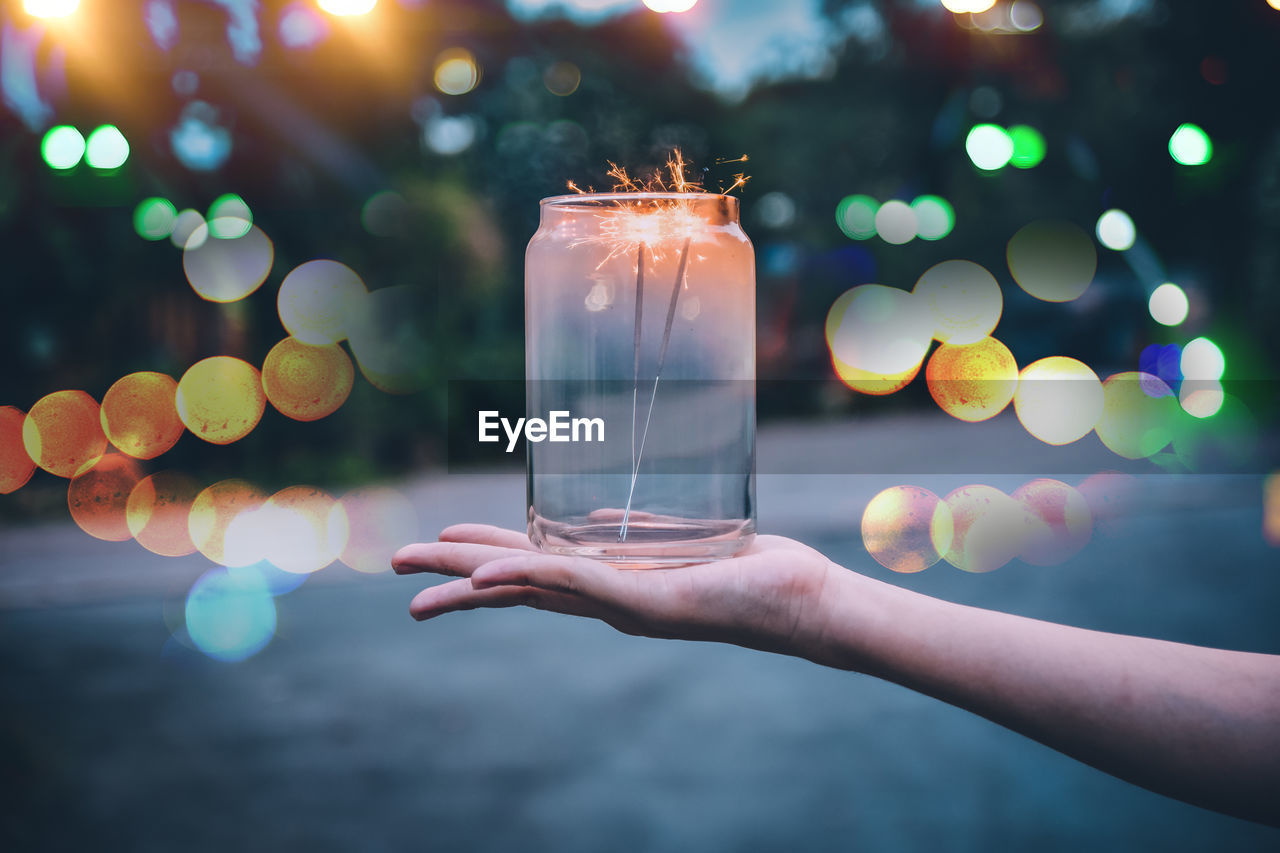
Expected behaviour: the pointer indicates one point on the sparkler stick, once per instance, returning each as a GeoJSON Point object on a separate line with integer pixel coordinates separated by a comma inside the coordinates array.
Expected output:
{"type": "Point", "coordinates": [635, 387]}
{"type": "Point", "coordinates": [653, 396]}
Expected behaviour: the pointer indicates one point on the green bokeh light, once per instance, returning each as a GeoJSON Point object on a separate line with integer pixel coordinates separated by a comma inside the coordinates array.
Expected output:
{"type": "Point", "coordinates": [934, 217]}
{"type": "Point", "coordinates": [229, 217]}
{"type": "Point", "coordinates": [62, 147]}
{"type": "Point", "coordinates": [153, 218]}
{"type": "Point", "coordinates": [1028, 146]}
{"type": "Point", "coordinates": [1190, 145]}
{"type": "Point", "coordinates": [856, 216]}
{"type": "Point", "coordinates": [107, 148]}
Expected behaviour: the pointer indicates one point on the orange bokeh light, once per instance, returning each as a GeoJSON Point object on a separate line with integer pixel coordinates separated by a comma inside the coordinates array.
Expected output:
{"type": "Point", "coordinates": [63, 433]}
{"type": "Point", "coordinates": [380, 522]}
{"type": "Point", "coordinates": [16, 466]}
{"type": "Point", "coordinates": [98, 498]}
{"type": "Point", "coordinates": [212, 512]}
{"type": "Point", "coordinates": [1065, 521]}
{"type": "Point", "coordinates": [307, 382]}
{"type": "Point", "coordinates": [140, 414]}
{"type": "Point", "coordinates": [972, 382]}
{"type": "Point", "coordinates": [310, 529]}
{"type": "Point", "coordinates": [158, 510]}
{"type": "Point", "coordinates": [221, 399]}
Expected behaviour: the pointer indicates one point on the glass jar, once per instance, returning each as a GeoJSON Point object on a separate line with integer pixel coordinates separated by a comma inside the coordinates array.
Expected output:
{"type": "Point", "coordinates": [640, 362]}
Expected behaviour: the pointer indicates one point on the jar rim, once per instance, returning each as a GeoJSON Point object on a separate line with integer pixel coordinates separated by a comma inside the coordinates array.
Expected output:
{"type": "Point", "coordinates": [589, 199]}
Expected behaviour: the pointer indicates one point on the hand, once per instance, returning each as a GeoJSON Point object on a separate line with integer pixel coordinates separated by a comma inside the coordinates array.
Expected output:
{"type": "Point", "coordinates": [770, 597]}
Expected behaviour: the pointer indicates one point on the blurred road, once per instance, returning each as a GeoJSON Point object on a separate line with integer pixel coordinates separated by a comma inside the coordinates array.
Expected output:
{"type": "Point", "coordinates": [358, 729]}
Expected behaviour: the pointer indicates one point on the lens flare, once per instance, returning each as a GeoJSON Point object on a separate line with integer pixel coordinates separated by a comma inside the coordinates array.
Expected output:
{"type": "Point", "coordinates": [63, 433]}
{"type": "Point", "coordinates": [1138, 412]}
{"type": "Point", "coordinates": [99, 498]}
{"type": "Point", "coordinates": [317, 299]}
{"type": "Point", "coordinates": [212, 513]}
{"type": "Point", "coordinates": [963, 299]}
{"type": "Point", "coordinates": [388, 335]}
{"type": "Point", "coordinates": [907, 528]}
{"type": "Point", "coordinates": [1202, 360]}
{"type": "Point", "coordinates": [1190, 145]}
{"type": "Point", "coordinates": [896, 222]}
{"type": "Point", "coordinates": [140, 414]}
{"type": "Point", "coordinates": [1062, 523]}
{"type": "Point", "coordinates": [935, 217]}
{"type": "Point", "coordinates": [380, 521]}
{"type": "Point", "coordinates": [16, 466]}
{"type": "Point", "coordinates": [158, 510]}
{"type": "Point", "coordinates": [230, 617]}
{"type": "Point", "coordinates": [62, 147]}
{"type": "Point", "coordinates": [989, 146]}
{"type": "Point", "coordinates": [1059, 399]}
{"type": "Point", "coordinates": [309, 530]}
{"type": "Point", "coordinates": [991, 528]}
{"type": "Point", "coordinates": [456, 71]}
{"type": "Point", "coordinates": [1116, 230]}
{"type": "Point", "coordinates": [972, 382]}
{"type": "Point", "coordinates": [220, 399]}
{"type": "Point", "coordinates": [1053, 261]}
{"type": "Point", "coordinates": [50, 8]}
{"type": "Point", "coordinates": [856, 216]}
{"type": "Point", "coordinates": [305, 382]}
{"type": "Point", "coordinates": [228, 268]}
{"type": "Point", "coordinates": [154, 218]}
{"type": "Point", "coordinates": [106, 148]}
{"type": "Point", "coordinates": [1168, 304]}
{"type": "Point", "coordinates": [884, 331]}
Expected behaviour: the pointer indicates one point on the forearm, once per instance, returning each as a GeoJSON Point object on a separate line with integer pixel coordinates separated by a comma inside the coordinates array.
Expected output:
{"type": "Point", "coordinates": [1202, 725]}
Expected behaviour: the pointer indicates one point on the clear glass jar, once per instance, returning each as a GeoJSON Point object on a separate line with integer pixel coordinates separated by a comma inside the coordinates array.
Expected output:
{"type": "Point", "coordinates": [640, 314]}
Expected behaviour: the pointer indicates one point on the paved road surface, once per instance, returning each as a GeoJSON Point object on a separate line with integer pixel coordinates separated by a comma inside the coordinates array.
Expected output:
{"type": "Point", "coordinates": [358, 729]}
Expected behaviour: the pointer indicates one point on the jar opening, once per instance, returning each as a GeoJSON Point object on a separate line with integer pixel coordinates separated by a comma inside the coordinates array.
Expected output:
{"type": "Point", "coordinates": [716, 207]}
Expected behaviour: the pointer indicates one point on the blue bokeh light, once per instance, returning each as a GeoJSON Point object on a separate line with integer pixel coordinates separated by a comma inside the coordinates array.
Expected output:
{"type": "Point", "coordinates": [230, 617]}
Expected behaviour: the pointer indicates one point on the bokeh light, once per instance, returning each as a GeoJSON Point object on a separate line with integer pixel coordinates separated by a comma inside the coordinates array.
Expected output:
{"type": "Point", "coordinates": [972, 382]}
{"type": "Point", "coordinates": [385, 214]}
{"type": "Point", "coordinates": [989, 146]}
{"type": "Point", "coordinates": [16, 466]}
{"type": "Point", "coordinates": [140, 414]}
{"type": "Point", "coordinates": [1168, 304]}
{"type": "Point", "coordinates": [874, 384]}
{"type": "Point", "coordinates": [562, 78]}
{"type": "Point", "coordinates": [990, 528]}
{"type": "Point", "coordinates": [1028, 146]}
{"type": "Point", "coordinates": [776, 209]}
{"type": "Point", "coordinates": [220, 399]}
{"type": "Point", "coordinates": [1271, 505]}
{"type": "Point", "coordinates": [1025, 16]}
{"type": "Point", "coordinates": [963, 299]}
{"type": "Point", "coordinates": [1203, 360]}
{"type": "Point", "coordinates": [388, 332]}
{"type": "Point", "coordinates": [1116, 230]}
{"type": "Point", "coordinates": [380, 521]}
{"type": "Point", "coordinates": [1062, 523]}
{"type": "Point", "coordinates": [317, 300]}
{"type": "Point", "coordinates": [230, 268]}
{"type": "Point", "coordinates": [1138, 412]}
{"type": "Point", "coordinates": [1190, 145]}
{"type": "Point", "coordinates": [856, 216]}
{"type": "Point", "coordinates": [1201, 398]}
{"type": "Point", "coordinates": [158, 511]}
{"type": "Point", "coordinates": [229, 217]}
{"type": "Point", "coordinates": [1059, 399]}
{"type": "Point", "coordinates": [456, 71]}
{"type": "Point", "coordinates": [308, 529]}
{"type": "Point", "coordinates": [307, 382]}
{"type": "Point", "coordinates": [972, 6]}
{"type": "Point", "coordinates": [344, 8]}
{"type": "Point", "coordinates": [188, 227]}
{"type": "Point", "coordinates": [212, 513]}
{"type": "Point", "coordinates": [1163, 361]}
{"type": "Point", "coordinates": [63, 433]}
{"type": "Point", "coordinates": [230, 617]}
{"type": "Point", "coordinates": [153, 218]}
{"type": "Point", "coordinates": [670, 6]}
{"type": "Point", "coordinates": [1054, 261]}
{"type": "Point", "coordinates": [907, 528]}
{"type": "Point", "coordinates": [62, 147]}
{"type": "Point", "coordinates": [98, 498]}
{"type": "Point", "coordinates": [935, 218]}
{"type": "Point", "coordinates": [50, 8]}
{"type": "Point", "coordinates": [106, 148]}
{"type": "Point", "coordinates": [883, 330]}
{"type": "Point", "coordinates": [1111, 496]}
{"type": "Point", "coordinates": [895, 222]}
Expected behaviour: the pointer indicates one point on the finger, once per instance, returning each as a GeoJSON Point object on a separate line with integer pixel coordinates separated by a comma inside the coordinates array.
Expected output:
{"type": "Point", "coordinates": [459, 595]}
{"type": "Point", "coordinates": [447, 558]}
{"type": "Point", "coordinates": [486, 534]}
{"type": "Point", "coordinates": [575, 576]}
